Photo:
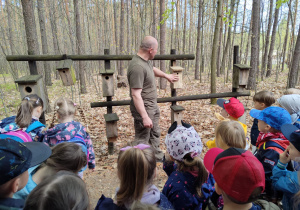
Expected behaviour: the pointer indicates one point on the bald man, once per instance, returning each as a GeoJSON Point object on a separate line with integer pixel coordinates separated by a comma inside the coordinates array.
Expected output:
{"type": "Point", "coordinates": [144, 109]}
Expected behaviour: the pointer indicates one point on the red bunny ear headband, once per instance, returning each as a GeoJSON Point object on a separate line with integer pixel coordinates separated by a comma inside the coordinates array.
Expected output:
{"type": "Point", "coordinates": [139, 146]}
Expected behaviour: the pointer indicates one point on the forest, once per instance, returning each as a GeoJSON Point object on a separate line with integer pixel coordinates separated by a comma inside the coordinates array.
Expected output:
{"type": "Point", "coordinates": [267, 33]}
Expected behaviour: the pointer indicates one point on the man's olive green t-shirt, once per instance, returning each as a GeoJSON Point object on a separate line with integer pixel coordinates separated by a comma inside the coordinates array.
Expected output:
{"type": "Point", "coordinates": [140, 74]}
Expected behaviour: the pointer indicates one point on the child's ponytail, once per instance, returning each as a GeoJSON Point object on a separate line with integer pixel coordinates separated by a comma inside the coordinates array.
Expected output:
{"type": "Point", "coordinates": [135, 169]}
{"type": "Point", "coordinates": [191, 164]}
{"type": "Point", "coordinates": [24, 115]}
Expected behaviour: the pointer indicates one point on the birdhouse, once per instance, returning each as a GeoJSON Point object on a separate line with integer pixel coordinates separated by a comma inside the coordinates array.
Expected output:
{"type": "Point", "coordinates": [107, 82]}
{"type": "Point", "coordinates": [176, 113]}
{"type": "Point", "coordinates": [240, 76]}
{"type": "Point", "coordinates": [66, 72]}
{"type": "Point", "coordinates": [32, 84]}
{"type": "Point", "coordinates": [111, 126]}
{"type": "Point", "coordinates": [177, 70]}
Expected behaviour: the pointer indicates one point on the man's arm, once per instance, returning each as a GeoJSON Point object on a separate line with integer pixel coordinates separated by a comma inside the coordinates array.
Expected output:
{"type": "Point", "coordinates": [170, 77]}
{"type": "Point", "coordinates": [140, 107]}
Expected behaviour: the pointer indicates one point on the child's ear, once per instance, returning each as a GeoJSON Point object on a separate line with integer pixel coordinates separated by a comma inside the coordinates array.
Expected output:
{"type": "Point", "coordinates": [268, 127]}
{"type": "Point", "coordinates": [15, 185]}
{"type": "Point", "coordinates": [219, 191]}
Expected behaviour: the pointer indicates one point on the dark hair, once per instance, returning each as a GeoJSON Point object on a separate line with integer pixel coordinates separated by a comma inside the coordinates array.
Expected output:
{"type": "Point", "coordinates": [265, 97]}
{"type": "Point", "coordinates": [188, 163]}
{"type": "Point", "coordinates": [24, 115]}
{"type": "Point", "coordinates": [63, 191]}
{"type": "Point", "coordinates": [136, 169]}
{"type": "Point", "coordinates": [253, 197]}
{"type": "Point", "coordinates": [66, 156]}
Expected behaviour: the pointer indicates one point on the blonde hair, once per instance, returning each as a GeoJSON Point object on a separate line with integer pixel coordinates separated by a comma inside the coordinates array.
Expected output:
{"type": "Point", "coordinates": [136, 168]}
{"type": "Point", "coordinates": [232, 134]}
{"type": "Point", "coordinates": [28, 104]}
{"type": "Point", "coordinates": [291, 91]}
{"type": "Point", "coordinates": [189, 163]}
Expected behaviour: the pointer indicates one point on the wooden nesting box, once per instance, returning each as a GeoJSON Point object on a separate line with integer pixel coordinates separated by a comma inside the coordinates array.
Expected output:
{"type": "Point", "coordinates": [177, 70]}
{"type": "Point", "coordinates": [240, 76]}
{"type": "Point", "coordinates": [176, 113]}
{"type": "Point", "coordinates": [111, 126]}
{"type": "Point", "coordinates": [32, 84]}
{"type": "Point", "coordinates": [107, 82]}
{"type": "Point", "coordinates": [66, 72]}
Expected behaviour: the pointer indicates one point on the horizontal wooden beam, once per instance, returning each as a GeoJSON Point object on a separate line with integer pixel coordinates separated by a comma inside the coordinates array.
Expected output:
{"type": "Point", "coordinates": [173, 99]}
{"type": "Point", "coordinates": [92, 57]}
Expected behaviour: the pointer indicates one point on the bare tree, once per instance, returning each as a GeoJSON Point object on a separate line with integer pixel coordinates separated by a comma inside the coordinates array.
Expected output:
{"type": "Point", "coordinates": [41, 9]}
{"type": "Point", "coordinates": [80, 48]}
{"type": "Point", "coordinates": [215, 50]}
{"type": "Point", "coordinates": [293, 75]}
{"type": "Point", "coordinates": [269, 66]}
{"type": "Point", "coordinates": [254, 44]}
{"type": "Point", "coordinates": [162, 45]}
{"type": "Point", "coordinates": [122, 24]}
{"type": "Point", "coordinates": [197, 66]}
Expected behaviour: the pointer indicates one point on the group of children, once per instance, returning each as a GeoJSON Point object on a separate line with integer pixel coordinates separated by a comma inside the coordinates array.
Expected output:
{"type": "Point", "coordinates": [235, 173]}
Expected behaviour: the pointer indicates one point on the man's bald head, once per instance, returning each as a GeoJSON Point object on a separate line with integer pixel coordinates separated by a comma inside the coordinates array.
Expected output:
{"type": "Point", "coordinates": [148, 42]}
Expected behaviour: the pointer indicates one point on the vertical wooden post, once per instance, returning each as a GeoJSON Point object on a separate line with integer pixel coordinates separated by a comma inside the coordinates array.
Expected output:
{"type": "Point", "coordinates": [108, 98]}
{"type": "Point", "coordinates": [235, 61]}
{"type": "Point", "coordinates": [173, 63]}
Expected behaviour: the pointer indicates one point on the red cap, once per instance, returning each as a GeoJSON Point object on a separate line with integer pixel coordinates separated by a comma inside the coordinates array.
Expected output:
{"type": "Point", "coordinates": [232, 106]}
{"type": "Point", "coordinates": [236, 171]}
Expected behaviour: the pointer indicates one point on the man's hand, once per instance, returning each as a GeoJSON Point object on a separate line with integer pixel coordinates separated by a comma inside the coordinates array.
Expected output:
{"type": "Point", "coordinates": [172, 77]}
{"type": "Point", "coordinates": [285, 157]}
{"type": "Point", "coordinates": [147, 122]}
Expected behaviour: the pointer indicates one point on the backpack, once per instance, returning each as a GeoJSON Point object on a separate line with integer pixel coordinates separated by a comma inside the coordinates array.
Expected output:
{"type": "Point", "coordinates": [20, 135]}
{"type": "Point", "coordinates": [78, 139]}
{"type": "Point", "coordinates": [265, 205]}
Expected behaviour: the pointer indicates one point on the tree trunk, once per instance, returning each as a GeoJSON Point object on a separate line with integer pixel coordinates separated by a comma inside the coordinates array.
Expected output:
{"type": "Point", "coordinates": [242, 32]}
{"type": "Point", "coordinates": [267, 41]}
{"type": "Point", "coordinates": [215, 49]}
{"type": "Point", "coordinates": [122, 24]}
{"type": "Point", "coordinates": [198, 53]}
{"type": "Point", "coordinates": [54, 32]}
{"type": "Point", "coordinates": [285, 41]}
{"type": "Point", "coordinates": [41, 9]}
{"type": "Point", "coordinates": [184, 31]}
{"type": "Point", "coordinates": [128, 29]}
{"type": "Point", "coordinates": [228, 42]}
{"type": "Point", "coordinates": [269, 66]}
{"type": "Point", "coordinates": [80, 47]}
{"type": "Point", "coordinates": [163, 82]}
{"type": "Point", "coordinates": [295, 62]}
{"type": "Point", "coordinates": [254, 45]}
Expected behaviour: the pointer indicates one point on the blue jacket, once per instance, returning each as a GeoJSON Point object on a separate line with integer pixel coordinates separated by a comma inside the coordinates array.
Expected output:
{"type": "Point", "coordinates": [107, 203]}
{"type": "Point", "coordinates": [254, 132]}
{"type": "Point", "coordinates": [11, 204]}
{"type": "Point", "coordinates": [181, 191]}
{"type": "Point", "coordinates": [287, 182]}
{"type": "Point", "coordinates": [36, 134]}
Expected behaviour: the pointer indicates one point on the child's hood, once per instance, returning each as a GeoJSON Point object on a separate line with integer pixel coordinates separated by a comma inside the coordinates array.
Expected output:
{"type": "Point", "coordinates": [278, 138]}
{"type": "Point", "coordinates": [67, 130]}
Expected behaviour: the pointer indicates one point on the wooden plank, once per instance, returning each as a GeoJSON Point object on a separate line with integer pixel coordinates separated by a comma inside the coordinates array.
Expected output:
{"type": "Point", "coordinates": [177, 108]}
{"type": "Point", "coordinates": [111, 117]}
{"type": "Point", "coordinates": [92, 57]}
{"type": "Point", "coordinates": [28, 79]}
{"type": "Point", "coordinates": [177, 98]}
{"type": "Point", "coordinates": [242, 66]}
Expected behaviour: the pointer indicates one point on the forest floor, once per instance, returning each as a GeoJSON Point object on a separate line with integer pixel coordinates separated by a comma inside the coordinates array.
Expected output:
{"type": "Point", "coordinates": [199, 113]}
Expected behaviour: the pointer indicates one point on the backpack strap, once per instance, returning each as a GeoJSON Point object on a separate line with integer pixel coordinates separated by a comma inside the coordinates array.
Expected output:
{"type": "Point", "coordinates": [78, 139]}
{"type": "Point", "coordinates": [273, 145]}
{"type": "Point", "coordinates": [34, 125]}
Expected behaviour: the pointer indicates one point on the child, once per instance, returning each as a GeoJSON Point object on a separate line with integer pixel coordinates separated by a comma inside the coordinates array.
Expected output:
{"type": "Point", "coordinates": [262, 100]}
{"type": "Point", "coordinates": [69, 130]}
{"type": "Point", "coordinates": [270, 142]}
{"type": "Point", "coordinates": [189, 186]}
{"type": "Point", "coordinates": [15, 159]}
{"type": "Point", "coordinates": [284, 180]}
{"type": "Point", "coordinates": [63, 191]}
{"type": "Point", "coordinates": [136, 171]}
{"type": "Point", "coordinates": [292, 104]}
{"type": "Point", "coordinates": [232, 110]}
{"type": "Point", "coordinates": [65, 156]}
{"type": "Point", "coordinates": [239, 178]}
{"type": "Point", "coordinates": [230, 134]}
{"type": "Point", "coordinates": [27, 118]}
{"type": "Point", "coordinates": [291, 91]}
